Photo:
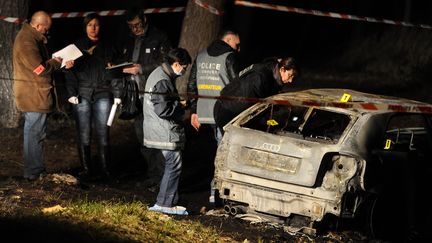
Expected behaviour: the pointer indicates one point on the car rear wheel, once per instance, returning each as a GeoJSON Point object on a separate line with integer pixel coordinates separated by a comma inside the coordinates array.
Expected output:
{"type": "Point", "coordinates": [386, 217]}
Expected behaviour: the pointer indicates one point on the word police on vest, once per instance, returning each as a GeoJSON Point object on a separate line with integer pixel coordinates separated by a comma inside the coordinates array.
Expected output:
{"type": "Point", "coordinates": [206, 65]}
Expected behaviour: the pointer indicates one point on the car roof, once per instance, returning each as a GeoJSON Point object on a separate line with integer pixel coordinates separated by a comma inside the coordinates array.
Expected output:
{"type": "Point", "coordinates": [354, 101]}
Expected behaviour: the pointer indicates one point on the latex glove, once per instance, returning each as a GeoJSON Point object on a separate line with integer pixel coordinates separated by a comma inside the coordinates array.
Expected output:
{"type": "Point", "coordinates": [73, 100]}
{"type": "Point", "coordinates": [194, 121]}
{"type": "Point", "coordinates": [117, 101]}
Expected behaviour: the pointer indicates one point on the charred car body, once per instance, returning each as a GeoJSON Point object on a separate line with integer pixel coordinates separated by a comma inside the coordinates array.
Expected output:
{"type": "Point", "coordinates": [304, 163]}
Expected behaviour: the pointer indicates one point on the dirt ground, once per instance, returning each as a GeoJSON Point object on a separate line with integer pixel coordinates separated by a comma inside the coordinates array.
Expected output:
{"type": "Point", "coordinates": [127, 184]}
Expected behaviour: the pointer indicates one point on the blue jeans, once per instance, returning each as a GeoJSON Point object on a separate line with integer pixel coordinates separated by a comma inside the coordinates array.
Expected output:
{"type": "Point", "coordinates": [96, 112]}
{"type": "Point", "coordinates": [217, 133]}
{"type": "Point", "coordinates": [168, 190]}
{"type": "Point", "coordinates": [34, 136]}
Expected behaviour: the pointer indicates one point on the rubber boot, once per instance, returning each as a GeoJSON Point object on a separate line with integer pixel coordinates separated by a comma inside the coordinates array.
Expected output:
{"type": "Point", "coordinates": [85, 159]}
{"type": "Point", "coordinates": [104, 161]}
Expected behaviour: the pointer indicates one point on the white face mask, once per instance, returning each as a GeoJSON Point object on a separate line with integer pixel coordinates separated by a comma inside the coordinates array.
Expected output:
{"type": "Point", "coordinates": [179, 73]}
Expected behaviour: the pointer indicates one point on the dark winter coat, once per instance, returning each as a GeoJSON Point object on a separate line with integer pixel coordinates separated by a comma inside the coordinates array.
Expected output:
{"type": "Point", "coordinates": [33, 68]}
{"type": "Point", "coordinates": [154, 45]}
{"type": "Point", "coordinates": [258, 81]}
{"type": "Point", "coordinates": [89, 77]}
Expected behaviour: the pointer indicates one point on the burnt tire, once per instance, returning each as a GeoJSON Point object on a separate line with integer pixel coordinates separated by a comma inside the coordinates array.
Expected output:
{"type": "Point", "coordinates": [385, 217]}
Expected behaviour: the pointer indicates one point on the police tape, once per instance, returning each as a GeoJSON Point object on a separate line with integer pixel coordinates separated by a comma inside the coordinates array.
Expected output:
{"type": "Point", "coordinates": [209, 8]}
{"type": "Point", "coordinates": [412, 106]}
{"type": "Point", "coordinates": [328, 14]}
{"type": "Point", "coordinates": [117, 12]}
{"type": "Point", "coordinates": [11, 19]}
{"type": "Point", "coordinates": [101, 13]}
{"type": "Point", "coordinates": [345, 101]}
{"type": "Point", "coordinates": [206, 6]}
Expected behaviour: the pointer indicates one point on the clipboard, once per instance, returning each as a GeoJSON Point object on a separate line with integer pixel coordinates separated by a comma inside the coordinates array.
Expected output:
{"type": "Point", "coordinates": [116, 71]}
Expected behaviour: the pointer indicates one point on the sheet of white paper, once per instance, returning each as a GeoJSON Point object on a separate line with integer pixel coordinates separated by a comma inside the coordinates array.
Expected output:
{"type": "Point", "coordinates": [70, 52]}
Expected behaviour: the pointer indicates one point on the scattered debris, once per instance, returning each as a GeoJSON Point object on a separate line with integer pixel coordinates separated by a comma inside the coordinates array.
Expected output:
{"type": "Point", "coordinates": [64, 179]}
{"type": "Point", "coordinates": [15, 197]}
{"type": "Point", "coordinates": [53, 209]}
{"type": "Point", "coordinates": [251, 217]}
{"type": "Point", "coordinates": [203, 210]}
{"type": "Point", "coordinates": [300, 231]}
{"type": "Point", "coordinates": [217, 212]}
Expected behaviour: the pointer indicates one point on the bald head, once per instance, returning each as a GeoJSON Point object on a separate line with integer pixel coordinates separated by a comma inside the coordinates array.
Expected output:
{"type": "Point", "coordinates": [231, 38]}
{"type": "Point", "coordinates": [41, 21]}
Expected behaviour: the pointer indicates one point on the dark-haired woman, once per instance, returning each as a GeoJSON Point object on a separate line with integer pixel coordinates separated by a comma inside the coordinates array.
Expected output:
{"type": "Point", "coordinates": [92, 92]}
{"type": "Point", "coordinates": [257, 81]}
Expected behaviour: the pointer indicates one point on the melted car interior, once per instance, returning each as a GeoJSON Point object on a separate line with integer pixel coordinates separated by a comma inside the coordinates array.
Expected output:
{"type": "Point", "coordinates": [311, 123]}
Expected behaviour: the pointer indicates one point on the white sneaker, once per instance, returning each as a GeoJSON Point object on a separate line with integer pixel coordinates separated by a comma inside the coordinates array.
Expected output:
{"type": "Point", "coordinates": [178, 210]}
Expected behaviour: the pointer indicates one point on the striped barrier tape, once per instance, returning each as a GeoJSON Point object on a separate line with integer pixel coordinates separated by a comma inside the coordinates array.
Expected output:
{"type": "Point", "coordinates": [414, 108]}
{"type": "Point", "coordinates": [328, 14]}
{"type": "Point", "coordinates": [82, 14]}
{"type": "Point", "coordinates": [345, 102]}
{"type": "Point", "coordinates": [101, 13]}
{"type": "Point", "coordinates": [418, 108]}
{"type": "Point", "coordinates": [117, 12]}
{"type": "Point", "coordinates": [209, 8]}
{"type": "Point", "coordinates": [11, 19]}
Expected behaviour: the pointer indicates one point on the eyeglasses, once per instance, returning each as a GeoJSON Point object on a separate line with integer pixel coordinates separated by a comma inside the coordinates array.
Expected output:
{"type": "Point", "coordinates": [136, 25]}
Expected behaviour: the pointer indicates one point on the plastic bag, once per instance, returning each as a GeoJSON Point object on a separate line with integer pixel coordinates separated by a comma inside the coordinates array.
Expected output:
{"type": "Point", "coordinates": [131, 105]}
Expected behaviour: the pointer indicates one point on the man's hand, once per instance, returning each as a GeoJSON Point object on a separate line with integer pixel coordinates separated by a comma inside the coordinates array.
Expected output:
{"type": "Point", "coordinates": [194, 121]}
{"type": "Point", "coordinates": [117, 101]}
{"type": "Point", "coordinates": [69, 64]}
{"type": "Point", "coordinates": [73, 100]}
{"type": "Point", "coordinates": [135, 69]}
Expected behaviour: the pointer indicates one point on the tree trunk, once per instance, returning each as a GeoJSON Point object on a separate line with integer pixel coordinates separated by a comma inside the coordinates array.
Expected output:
{"type": "Point", "coordinates": [407, 11]}
{"type": "Point", "coordinates": [9, 115]}
{"type": "Point", "coordinates": [200, 27]}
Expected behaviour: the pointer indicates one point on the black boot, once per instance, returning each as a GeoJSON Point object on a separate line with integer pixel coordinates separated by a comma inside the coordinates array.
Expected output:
{"type": "Point", "coordinates": [85, 159]}
{"type": "Point", "coordinates": [104, 161]}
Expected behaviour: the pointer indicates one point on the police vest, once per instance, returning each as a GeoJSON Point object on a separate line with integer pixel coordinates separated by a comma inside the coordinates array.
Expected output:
{"type": "Point", "coordinates": [211, 79]}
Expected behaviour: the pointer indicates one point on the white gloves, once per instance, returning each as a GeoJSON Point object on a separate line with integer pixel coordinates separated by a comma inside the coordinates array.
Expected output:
{"type": "Point", "coordinates": [73, 100]}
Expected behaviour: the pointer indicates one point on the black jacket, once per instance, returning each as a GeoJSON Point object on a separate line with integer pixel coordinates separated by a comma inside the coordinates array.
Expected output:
{"type": "Point", "coordinates": [259, 81]}
{"type": "Point", "coordinates": [154, 45]}
{"type": "Point", "coordinates": [216, 48]}
{"type": "Point", "coordinates": [89, 78]}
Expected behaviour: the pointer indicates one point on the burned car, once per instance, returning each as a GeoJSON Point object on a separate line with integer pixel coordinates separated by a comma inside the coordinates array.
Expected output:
{"type": "Point", "coordinates": [302, 157]}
